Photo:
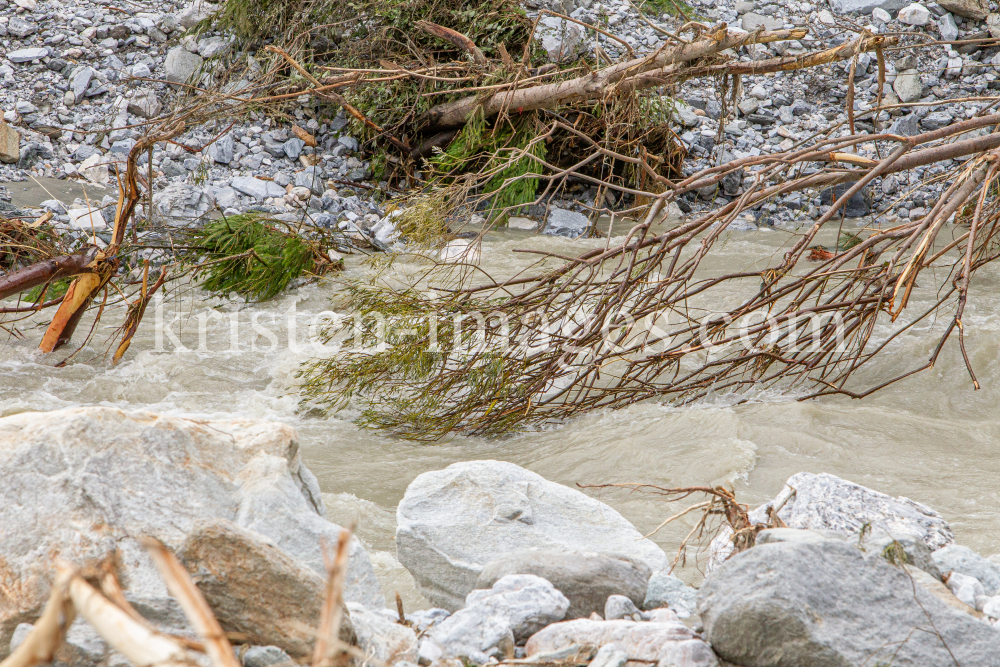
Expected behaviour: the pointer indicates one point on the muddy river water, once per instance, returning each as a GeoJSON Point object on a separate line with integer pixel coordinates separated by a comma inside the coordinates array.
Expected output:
{"type": "Point", "coordinates": [931, 438]}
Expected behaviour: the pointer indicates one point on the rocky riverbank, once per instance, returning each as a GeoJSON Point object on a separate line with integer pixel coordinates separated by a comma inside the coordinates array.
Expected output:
{"type": "Point", "coordinates": [518, 568]}
{"type": "Point", "coordinates": [81, 80]}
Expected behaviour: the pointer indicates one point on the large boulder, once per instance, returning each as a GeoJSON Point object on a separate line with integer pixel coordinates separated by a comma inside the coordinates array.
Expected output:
{"type": "Point", "coordinates": [255, 588]}
{"type": "Point", "coordinates": [452, 522]}
{"type": "Point", "coordinates": [827, 502]}
{"type": "Point", "coordinates": [585, 578]}
{"type": "Point", "coordinates": [652, 643]}
{"type": "Point", "coordinates": [828, 603]}
{"type": "Point", "coordinates": [85, 483]}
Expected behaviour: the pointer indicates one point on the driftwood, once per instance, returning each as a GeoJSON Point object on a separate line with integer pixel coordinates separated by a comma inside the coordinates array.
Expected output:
{"type": "Point", "coordinates": [118, 623]}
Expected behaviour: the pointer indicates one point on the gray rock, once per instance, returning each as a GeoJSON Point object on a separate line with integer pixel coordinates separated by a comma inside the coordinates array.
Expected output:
{"type": "Point", "coordinates": [140, 71]}
{"type": "Point", "coordinates": [516, 607]}
{"type": "Point", "coordinates": [666, 590]}
{"type": "Point", "coordinates": [560, 39]}
{"type": "Point", "coordinates": [293, 148]}
{"type": "Point", "coordinates": [866, 6]}
{"type": "Point", "coordinates": [86, 475]}
{"type": "Point", "coordinates": [956, 558]}
{"type": "Point", "coordinates": [796, 603]}
{"type": "Point", "coordinates": [653, 643]}
{"type": "Point", "coordinates": [54, 205]}
{"type": "Point", "coordinates": [383, 642]}
{"type": "Point", "coordinates": [21, 28]}
{"type": "Point", "coordinates": [182, 202]}
{"type": "Point", "coordinates": [256, 188]}
{"type": "Point", "coordinates": [857, 206]}
{"type": "Point", "coordinates": [264, 656]}
{"type": "Point", "coordinates": [908, 86]}
{"type": "Point", "coordinates": [181, 65]}
{"type": "Point", "coordinates": [906, 126]}
{"type": "Point", "coordinates": [191, 15]}
{"type": "Point", "coordinates": [81, 81]}
{"type": "Point", "coordinates": [566, 223]}
{"type": "Point", "coordinates": [27, 55]}
{"type": "Point", "coordinates": [908, 549]}
{"type": "Point", "coordinates": [312, 178]}
{"type": "Point", "coordinates": [585, 578]}
{"type": "Point", "coordinates": [213, 46]}
{"type": "Point", "coordinates": [452, 522]}
{"type": "Point", "coordinates": [225, 197]}
{"type": "Point", "coordinates": [949, 31]}
{"type": "Point", "coordinates": [618, 607]}
{"type": "Point", "coordinates": [935, 120]}
{"type": "Point", "coordinates": [222, 150]}
{"type": "Point", "coordinates": [145, 104]}
{"type": "Point", "coordinates": [752, 21]}
{"type": "Point", "coordinates": [826, 502]}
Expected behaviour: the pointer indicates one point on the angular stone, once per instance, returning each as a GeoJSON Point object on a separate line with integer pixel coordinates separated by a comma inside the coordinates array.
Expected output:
{"type": "Point", "coordinates": [566, 223]}
{"type": "Point", "coordinates": [145, 104]}
{"type": "Point", "coordinates": [908, 86]}
{"type": "Point", "coordinates": [914, 14]}
{"type": "Point", "coordinates": [652, 643]}
{"type": "Point", "coordinates": [973, 9]}
{"type": "Point", "coordinates": [796, 603]}
{"type": "Point", "coordinates": [452, 522]}
{"type": "Point", "coordinates": [82, 483]}
{"type": "Point", "coordinates": [213, 46]}
{"type": "Point", "coordinates": [312, 178]}
{"type": "Point", "coordinates": [905, 126]}
{"type": "Point", "coordinates": [618, 607]}
{"type": "Point", "coordinates": [516, 607]}
{"type": "Point", "coordinates": [20, 28]}
{"type": "Point", "coordinates": [254, 587]}
{"type": "Point", "coordinates": [27, 55]}
{"type": "Point", "coordinates": [87, 219]}
{"type": "Point", "coordinates": [10, 144]}
{"type": "Point", "coordinates": [826, 502]}
{"type": "Point", "coordinates": [181, 65]}
{"type": "Point", "coordinates": [935, 120]}
{"type": "Point", "coordinates": [81, 81]}
{"type": "Point", "coordinates": [194, 13]}
{"type": "Point", "coordinates": [948, 28]}
{"type": "Point", "coordinates": [95, 169]}
{"type": "Point", "coordinates": [666, 590]}
{"type": "Point", "coordinates": [222, 150]}
{"type": "Point", "coordinates": [866, 6]}
{"type": "Point", "coordinates": [560, 39]}
{"type": "Point", "coordinates": [752, 21]}
{"type": "Point", "coordinates": [382, 641]}
{"type": "Point", "coordinates": [256, 188]}
{"type": "Point", "coordinates": [585, 578]}
{"type": "Point", "coordinates": [293, 148]}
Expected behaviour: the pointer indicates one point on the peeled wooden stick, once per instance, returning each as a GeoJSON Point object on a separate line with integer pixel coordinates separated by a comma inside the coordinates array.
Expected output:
{"type": "Point", "coordinates": [330, 616]}
{"type": "Point", "coordinates": [193, 603]}
{"type": "Point", "coordinates": [143, 647]}
{"type": "Point", "coordinates": [596, 84]}
{"type": "Point", "coordinates": [40, 645]}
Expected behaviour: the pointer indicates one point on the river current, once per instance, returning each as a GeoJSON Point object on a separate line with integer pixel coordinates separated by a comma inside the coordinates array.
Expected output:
{"type": "Point", "coordinates": [930, 438]}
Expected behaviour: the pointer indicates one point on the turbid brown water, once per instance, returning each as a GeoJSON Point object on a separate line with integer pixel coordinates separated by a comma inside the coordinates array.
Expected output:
{"type": "Point", "coordinates": [930, 438]}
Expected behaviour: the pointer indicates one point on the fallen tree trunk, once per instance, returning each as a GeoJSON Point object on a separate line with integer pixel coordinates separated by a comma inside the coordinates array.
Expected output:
{"type": "Point", "coordinates": [597, 84]}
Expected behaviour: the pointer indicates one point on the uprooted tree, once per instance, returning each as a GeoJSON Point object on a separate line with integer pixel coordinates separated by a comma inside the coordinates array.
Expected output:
{"type": "Point", "coordinates": [459, 107]}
